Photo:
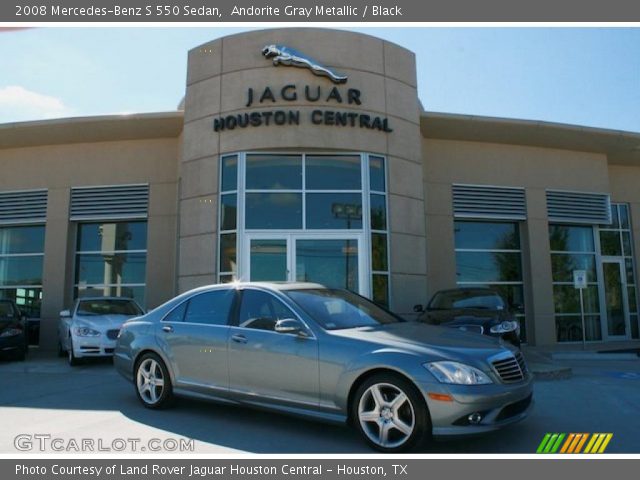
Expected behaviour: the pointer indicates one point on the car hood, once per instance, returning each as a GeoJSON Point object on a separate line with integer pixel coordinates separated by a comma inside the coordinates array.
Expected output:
{"type": "Point", "coordinates": [419, 338]}
{"type": "Point", "coordinates": [100, 322]}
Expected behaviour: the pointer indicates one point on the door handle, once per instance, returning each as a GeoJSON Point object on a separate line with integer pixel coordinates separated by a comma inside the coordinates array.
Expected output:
{"type": "Point", "coordinates": [239, 338]}
{"type": "Point", "coordinates": [167, 328]}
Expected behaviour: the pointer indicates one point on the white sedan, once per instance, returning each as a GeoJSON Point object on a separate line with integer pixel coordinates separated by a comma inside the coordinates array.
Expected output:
{"type": "Point", "coordinates": [91, 327]}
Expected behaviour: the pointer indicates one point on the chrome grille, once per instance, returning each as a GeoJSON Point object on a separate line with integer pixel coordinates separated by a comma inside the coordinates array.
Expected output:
{"type": "Point", "coordinates": [112, 334]}
{"type": "Point", "coordinates": [510, 368]}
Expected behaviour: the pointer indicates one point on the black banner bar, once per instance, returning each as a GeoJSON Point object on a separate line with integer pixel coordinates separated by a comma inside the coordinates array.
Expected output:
{"type": "Point", "coordinates": [352, 11]}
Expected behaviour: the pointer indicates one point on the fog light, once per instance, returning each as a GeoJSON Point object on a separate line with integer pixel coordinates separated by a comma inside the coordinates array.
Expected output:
{"type": "Point", "coordinates": [474, 418]}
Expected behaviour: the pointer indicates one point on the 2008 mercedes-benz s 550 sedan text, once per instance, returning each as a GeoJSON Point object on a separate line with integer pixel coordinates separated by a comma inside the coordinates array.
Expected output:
{"type": "Point", "coordinates": [330, 354]}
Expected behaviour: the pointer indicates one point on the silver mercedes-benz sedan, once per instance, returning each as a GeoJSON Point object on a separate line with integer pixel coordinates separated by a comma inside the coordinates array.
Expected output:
{"type": "Point", "coordinates": [306, 349]}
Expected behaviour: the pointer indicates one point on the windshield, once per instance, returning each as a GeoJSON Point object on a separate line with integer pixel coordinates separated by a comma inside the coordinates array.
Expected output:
{"type": "Point", "coordinates": [339, 309]}
{"type": "Point", "coordinates": [467, 299]}
{"type": "Point", "coordinates": [108, 307]}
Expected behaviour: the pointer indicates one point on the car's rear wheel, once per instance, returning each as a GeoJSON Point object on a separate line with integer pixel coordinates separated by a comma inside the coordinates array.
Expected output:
{"type": "Point", "coordinates": [71, 357]}
{"type": "Point", "coordinates": [390, 414]}
{"type": "Point", "coordinates": [152, 382]}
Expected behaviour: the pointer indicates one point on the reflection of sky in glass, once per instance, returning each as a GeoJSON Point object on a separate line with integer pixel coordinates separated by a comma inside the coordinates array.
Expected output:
{"type": "Point", "coordinates": [270, 172]}
{"type": "Point", "coordinates": [22, 240]}
{"type": "Point", "coordinates": [333, 173]}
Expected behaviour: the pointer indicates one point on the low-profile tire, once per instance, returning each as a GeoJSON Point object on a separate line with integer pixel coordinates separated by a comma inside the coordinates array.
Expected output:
{"type": "Point", "coordinates": [152, 382]}
{"type": "Point", "coordinates": [71, 357]}
{"type": "Point", "coordinates": [390, 413]}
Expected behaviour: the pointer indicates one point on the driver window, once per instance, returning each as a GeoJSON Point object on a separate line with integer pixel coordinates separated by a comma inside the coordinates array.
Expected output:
{"type": "Point", "coordinates": [261, 310]}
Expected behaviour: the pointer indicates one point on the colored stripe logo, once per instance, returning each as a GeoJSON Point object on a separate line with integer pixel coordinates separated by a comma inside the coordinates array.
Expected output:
{"type": "Point", "coordinates": [574, 443]}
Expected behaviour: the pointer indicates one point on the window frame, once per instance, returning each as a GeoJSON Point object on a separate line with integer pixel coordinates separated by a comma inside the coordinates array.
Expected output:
{"type": "Point", "coordinates": [101, 286]}
{"type": "Point", "coordinates": [36, 287]}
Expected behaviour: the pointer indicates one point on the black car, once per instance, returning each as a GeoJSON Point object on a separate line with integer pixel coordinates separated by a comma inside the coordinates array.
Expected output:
{"type": "Point", "coordinates": [13, 337]}
{"type": "Point", "coordinates": [472, 309]}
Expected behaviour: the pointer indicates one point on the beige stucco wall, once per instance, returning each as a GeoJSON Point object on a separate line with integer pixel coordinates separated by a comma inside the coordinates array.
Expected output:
{"type": "Point", "coordinates": [60, 167]}
{"type": "Point", "coordinates": [536, 169]}
{"type": "Point", "coordinates": [219, 74]}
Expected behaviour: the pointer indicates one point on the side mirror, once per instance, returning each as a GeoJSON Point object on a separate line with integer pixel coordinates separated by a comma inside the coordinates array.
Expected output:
{"type": "Point", "coordinates": [288, 325]}
{"type": "Point", "coordinates": [418, 308]}
{"type": "Point", "coordinates": [65, 314]}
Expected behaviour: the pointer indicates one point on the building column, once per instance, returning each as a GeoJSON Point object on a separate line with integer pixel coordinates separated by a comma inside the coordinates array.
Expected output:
{"type": "Point", "coordinates": [54, 269]}
{"type": "Point", "coordinates": [539, 284]}
{"type": "Point", "coordinates": [441, 249]}
{"type": "Point", "coordinates": [161, 244]}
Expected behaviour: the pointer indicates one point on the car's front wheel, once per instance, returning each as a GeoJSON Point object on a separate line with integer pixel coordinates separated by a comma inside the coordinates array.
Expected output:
{"type": "Point", "coordinates": [71, 356]}
{"type": "Point", "coordinates": [390, 414]}
{"type": "Point", "coordinates": [152, 381]}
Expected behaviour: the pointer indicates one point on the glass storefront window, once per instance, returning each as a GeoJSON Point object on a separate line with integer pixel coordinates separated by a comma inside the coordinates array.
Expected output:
{"type": "Point", "coordinates": [111, 259]}
{"type": "Point", "coordinates": [229, 173]}
{"type": "Point", "coordinates": [487, 236]}
{"type": "Point", "coordinates": [273, 211]}
{"type": "Point", "coordinates": [228, 211]}
{"type": "Point", "coordinates": [569, 328]}
{"type": "Point", "coordinates": [616, 240]}
{"type": "Point", "coordinates": [21, 260]}
{"type": "Point", "coordinates": [311, 195]}
{"type": "Point", "coordinates": [488, 254]}
{"type": "Point", "coordinates": [334, 211]}
{"type": "Point", "coordinates": [487, 267]}
{"type": "Point", "coordinates": [378, 212]}
{"type": "Point", "coordinates": [563, 265]}
{"type": "Point", "coordinates": [610, 243]}
{"type": "Point", "coordinates": [377, 175]}
{"type": "Point", "coordinates": [273, 172]}
{"type": "Point", "coordinates": [111, 237]}
{"type": "Point", "coordinates": [333, 173]}
{"type": "Point", "coordinates": [573, 248]}
{"type": "Point", "coordinates": [569, 238]}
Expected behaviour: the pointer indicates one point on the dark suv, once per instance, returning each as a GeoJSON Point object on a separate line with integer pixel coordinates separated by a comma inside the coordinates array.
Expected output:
{"type": "Point", "coordinates": [13, 337]}
{"type": "Point", "coordinates": [479, 310]}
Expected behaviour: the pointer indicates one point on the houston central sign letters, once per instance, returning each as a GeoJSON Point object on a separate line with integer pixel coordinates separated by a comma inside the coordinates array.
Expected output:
{"type": "Point", "coordinates": [269, 96]}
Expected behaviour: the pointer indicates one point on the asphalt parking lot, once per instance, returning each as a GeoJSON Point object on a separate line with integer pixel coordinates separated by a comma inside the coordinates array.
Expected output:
{"type": "Point", "coordinates": [44, 396]}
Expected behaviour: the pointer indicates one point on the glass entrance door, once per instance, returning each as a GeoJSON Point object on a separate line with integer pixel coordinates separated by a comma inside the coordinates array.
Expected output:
{"type": "Point", "coordinates": [615, 296]}
{"type": "Point", "coordinates": [332, 260]}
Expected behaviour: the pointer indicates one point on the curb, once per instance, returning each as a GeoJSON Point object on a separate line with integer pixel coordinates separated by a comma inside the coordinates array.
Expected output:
{"type": "Point", "coordinates": [543, 371]}
{"type": "Point", "coordinates": [593, 356]}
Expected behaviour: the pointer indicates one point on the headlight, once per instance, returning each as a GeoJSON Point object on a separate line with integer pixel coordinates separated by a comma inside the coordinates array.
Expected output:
{"type": "Point", "coordinates": [457, 373]}
{"type": "Point", "coordinates": [505, 327]}
{"type": "Point", "coordinates": [86, 332]}
{"type": "Point", "coordinates": [10, 332]}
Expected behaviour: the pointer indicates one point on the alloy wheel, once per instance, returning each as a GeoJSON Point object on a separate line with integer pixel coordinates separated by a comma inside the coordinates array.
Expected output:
{"type": "Point", "coordinates": [150, 381]}
{"type": "Point", "coordinates": [386, 415]}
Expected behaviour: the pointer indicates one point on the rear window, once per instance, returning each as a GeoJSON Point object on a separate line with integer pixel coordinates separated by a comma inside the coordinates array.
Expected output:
{"type": "Point", "coordinates": [108, 307]}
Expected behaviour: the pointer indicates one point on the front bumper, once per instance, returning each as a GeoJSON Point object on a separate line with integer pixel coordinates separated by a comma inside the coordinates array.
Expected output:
{"type": "Point", "coordinates": [13, 344]}
{"type": "Point", "coordinates": [93, 346]}
{"type": "Point", "coordinates": [498, 404]}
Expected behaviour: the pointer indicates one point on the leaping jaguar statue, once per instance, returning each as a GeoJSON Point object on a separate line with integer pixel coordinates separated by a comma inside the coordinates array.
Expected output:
{"type": "Point", "coordinates": [283, 55]}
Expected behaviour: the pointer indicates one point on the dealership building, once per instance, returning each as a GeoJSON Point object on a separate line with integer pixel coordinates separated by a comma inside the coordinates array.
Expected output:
{"type": "Point", "coordinates": [320, 164]}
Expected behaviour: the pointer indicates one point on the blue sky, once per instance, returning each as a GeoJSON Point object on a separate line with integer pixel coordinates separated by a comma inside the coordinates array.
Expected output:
{"type": "Point", "coordinates": [585, 76]}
